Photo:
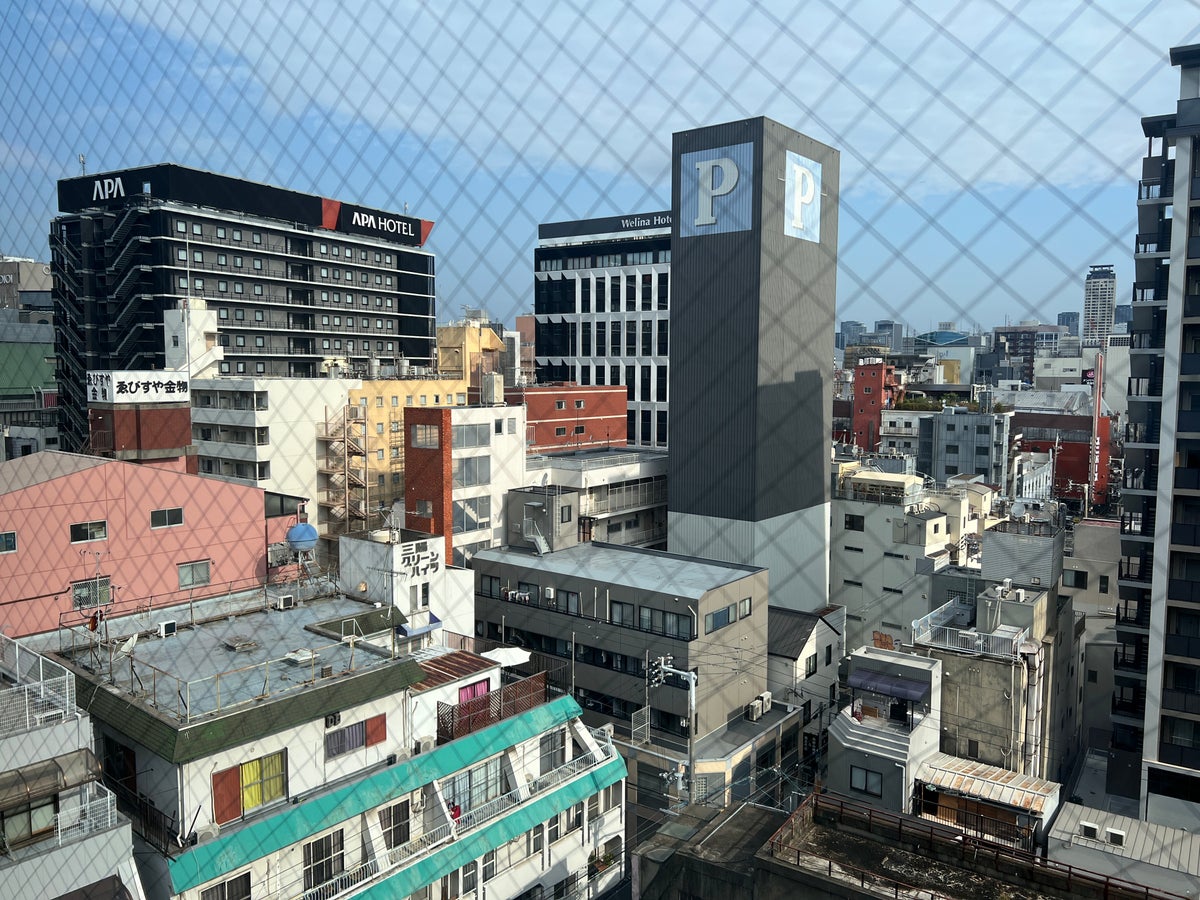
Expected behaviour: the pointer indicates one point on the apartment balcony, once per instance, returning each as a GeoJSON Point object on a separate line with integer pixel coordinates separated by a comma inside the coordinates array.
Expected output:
{"type": "Point", "coordinates": [1184, 646]}
{"type": "Point", "coordinates": [1191, 306]}
{"type": "Point", "coordinates": [1189, 422]}
{"type": "Point", "coordinates": [1181, 701]}
{"type": "Point", "coordinates": [1140, 479]}
{"type": "Point", "coordinates": [83, 813]}
{"type": "Point", "coordinates": [1150, 189]}
{"type": "Point", "coordinates": [1130, 659]}
{"type": "Point", "coordinates": [1131, 705]}
{"type": "Point", "coordinates": [455, 720]}
{"type": "Point", "coordinates": [1187, 479]}
{"type": "Point", "coordinates": [1133, 615]}
{"type": "Point", "coordinates": [1189, 364]}
{"type": "Point", "coordinates": [1153, 340]}
{"type": "Point", "coordinates": [1184, 590]}
{"type": "Point", "coordinates": [623, 498]}
{"type": "Point", "coordinates": [1152, 242]}
{"type": "Point", "coordinates": [1150, 291]}
{"type": "Point", "coordinates": [1185, 535]}
{"type": "Point", "coordinates": [1139, 525]}
{"type": "Point", "coordinates": [1146, 388]}
{"type": "Point", "coordinates": [1179, 755]}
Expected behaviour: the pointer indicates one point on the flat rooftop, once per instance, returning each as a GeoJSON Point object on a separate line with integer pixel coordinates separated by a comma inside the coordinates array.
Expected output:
{"type": "Point", "coordinates": [228, 652]}
{"type": "Point", "coordinates": [631, 567]}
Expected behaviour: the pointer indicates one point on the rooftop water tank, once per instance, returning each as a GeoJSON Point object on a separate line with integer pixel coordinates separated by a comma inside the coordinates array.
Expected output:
{"type": "Point", "coordinates": [302, 537]}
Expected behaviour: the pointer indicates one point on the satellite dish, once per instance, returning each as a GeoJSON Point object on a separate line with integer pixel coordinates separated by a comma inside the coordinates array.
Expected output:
{"type": "Point", "coordinates": [126, 649]}
{"type": "Point", "coordinates": [1018, 509]}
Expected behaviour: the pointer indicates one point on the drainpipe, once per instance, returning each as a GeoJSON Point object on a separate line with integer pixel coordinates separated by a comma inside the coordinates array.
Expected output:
{"type": "Point", "coordinates": [1034, 657]}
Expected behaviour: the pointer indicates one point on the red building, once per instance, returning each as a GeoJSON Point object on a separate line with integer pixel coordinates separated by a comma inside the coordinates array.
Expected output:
{"type": "Point", "coordinates": [428, 472]}
{"type": "Point", "coordinates": [80, 534]}
{"type": "Point", "coordinates": [1070, 439]}
{"type": "Point", "coordinates": [565, 415]}
{"type": "Point", "coordinates": [876, 388]}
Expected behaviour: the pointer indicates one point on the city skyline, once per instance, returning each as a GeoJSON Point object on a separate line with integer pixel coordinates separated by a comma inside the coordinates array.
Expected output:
{"type": "Point", "coordinates": [973, 182]}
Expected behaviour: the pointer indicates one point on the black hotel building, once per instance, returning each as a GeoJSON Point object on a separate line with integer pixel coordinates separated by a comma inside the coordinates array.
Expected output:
{"type": "Point", "coordinates": [298, 282]}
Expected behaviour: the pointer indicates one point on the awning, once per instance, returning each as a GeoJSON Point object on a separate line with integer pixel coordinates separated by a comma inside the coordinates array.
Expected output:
{"type": "Point", "coordinates": [508, 656]}
{"type": "Point", "coordinates": [45, 779]}
{"type": "Point", "coordinates": [889, 685]}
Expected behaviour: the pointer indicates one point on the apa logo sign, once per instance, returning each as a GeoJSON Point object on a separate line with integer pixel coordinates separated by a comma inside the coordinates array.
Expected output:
{"type": "Point", "coordinates": [716, 190]}
{"type": "Point", "coordinates": [107, 188]}
{"type": "Point", "coordinates": [802, 201]}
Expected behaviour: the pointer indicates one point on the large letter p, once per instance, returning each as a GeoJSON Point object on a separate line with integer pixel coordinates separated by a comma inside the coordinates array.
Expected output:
{"type": "Point", "coordinates": [708, 189]}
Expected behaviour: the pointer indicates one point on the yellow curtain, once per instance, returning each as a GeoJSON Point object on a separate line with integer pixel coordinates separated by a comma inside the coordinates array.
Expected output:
{"type": "Point", "coordinates": [252, 789]}
{"type": "Point", "coordinates": [273, 779]}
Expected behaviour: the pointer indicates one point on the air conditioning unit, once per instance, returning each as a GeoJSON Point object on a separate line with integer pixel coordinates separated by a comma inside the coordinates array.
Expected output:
{"type": "Point", "coordinates": [166, 628]}
{"type": "Point", "coordinates": [287, 601]}
{"type": "Point", "coordinates": [426, 744]}
{"type": "Point", "coordinates": [333, 720]}
{"type": "Point", "coordinates": [206, 833]}
{"type": "Point", "coordinates": [754, 710]}
{"type": "Point", "coordinates": [1115, 836]}
{"type": "Point", "coordinates": [418, 801]}
{"type": "Point", "coordinates": [765, 697]}
{"type": "Point", "coordinates": [549, 593]}
{"type": "Point", "coordinates": [1089, 829]}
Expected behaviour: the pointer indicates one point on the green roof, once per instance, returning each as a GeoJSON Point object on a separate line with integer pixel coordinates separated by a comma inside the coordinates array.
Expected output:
{"type": "Point", "coordinates": [23, 366]}
{"type": "Point", "coordinates": [294, 823]}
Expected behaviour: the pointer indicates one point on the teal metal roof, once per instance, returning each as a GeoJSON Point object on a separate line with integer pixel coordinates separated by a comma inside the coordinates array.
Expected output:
{"type": "Point", "coordinates": [293, 824]}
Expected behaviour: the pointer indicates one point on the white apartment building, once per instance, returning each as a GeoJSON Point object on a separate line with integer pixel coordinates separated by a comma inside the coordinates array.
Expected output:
{"type": "Point", "coordinates": [298, 746]}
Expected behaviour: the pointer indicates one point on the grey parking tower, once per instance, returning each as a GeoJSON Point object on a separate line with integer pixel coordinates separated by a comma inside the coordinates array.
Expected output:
{"type": "Point", "coordinates": [754, 263]}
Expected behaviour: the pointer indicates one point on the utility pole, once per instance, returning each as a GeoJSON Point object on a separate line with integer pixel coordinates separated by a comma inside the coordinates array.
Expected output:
{"type": "Point", "coordinates": [659, 667]}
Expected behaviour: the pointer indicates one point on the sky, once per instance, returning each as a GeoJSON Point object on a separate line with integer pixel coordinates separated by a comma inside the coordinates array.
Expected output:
{"type": "Point", "coordinates": [990, 151]}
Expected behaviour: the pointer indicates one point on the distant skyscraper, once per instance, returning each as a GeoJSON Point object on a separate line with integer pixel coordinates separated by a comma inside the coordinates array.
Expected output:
{"type": "Point", "coordinates": [1099, 299]}
{"type": "Point", "coordinates": [894, 329]}
{"type": "Point", "coordinates": [1071, 320]}
{"type": "Point", "coordinates": [754, 258]}
{"type": "Point", "coordinates": [851, 332]}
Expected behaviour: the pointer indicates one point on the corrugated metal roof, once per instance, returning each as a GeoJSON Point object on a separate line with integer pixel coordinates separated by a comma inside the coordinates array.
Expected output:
{"type": "Point", "coordinates": [788, 631]}
{"type": "Point", "coordinates": [1159, 845]}
{"type": "Point", "coordinates": [448, 667]}
{"type": "Point", "coordinates": [971, 778]}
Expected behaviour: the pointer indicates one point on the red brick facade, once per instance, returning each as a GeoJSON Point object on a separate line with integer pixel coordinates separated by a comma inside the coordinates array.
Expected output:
{"type": "Point", "coordinates": [875, 389]}
{"type": "Point", "coordinates": [428, 473]}
{"type": "Point", "coordinates": [568, 416]}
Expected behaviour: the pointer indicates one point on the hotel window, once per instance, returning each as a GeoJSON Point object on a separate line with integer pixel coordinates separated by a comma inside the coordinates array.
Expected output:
{"type": "Point", "coordinates": [258, 263]}
{"type": "Point", "coordinates": [181, 254]}
{"type": "Point", "coordinates": [237, 262]}
{"type": "Point", "coordinates": [241, 789]}
{"type": "Point", "coordinates": [258, 315]}
{"type": "Point", "coordinates": [239, 288]}
{"type": "Point", "coordinates": [237, 888]}
{"type": "Point", "coordinates": [89, 531]}
{"type": "Point", "coordinates": [256, 238]}
{"type": "Point", "coordinates": [183, 282]}
{"type": "Point", "coordinates": [324, 860]}
{"type": "Point", "coordinates": [223, 287]}
{"type": "Point", "coordinates": [93, 592]}
{"type": "Point", "coordinates": [198, 256]}
{"type": "Point", "coordinates": [196, 229]}
{"type": "Point", "coordinates": [221, 231]}
{"type": "Point", "coordinates": [8, 542]}
{"type": "Point", "coordinates": [239, 341]}
{"type": "Point", "coordinates": [260, 342]}
{"type": "Point", "coordinates": [258, 290]}
{"type": "Point", "coordinates": [165, 518]}
{"type": "Point", "coordinates": [425, 437]}
{"type": "Point", "coordinates": [181, 226]}
{"type": "Point", "coordinates": [193, 574]}
{"type": "Point", "coordinates": [237, 234]}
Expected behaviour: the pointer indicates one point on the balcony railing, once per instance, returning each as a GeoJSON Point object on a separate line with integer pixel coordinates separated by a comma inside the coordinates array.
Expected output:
{"type": "Point", "coordinates": [1137, 524]}
{"type": "Point", "coordinates": [1152, 242]}
{"type": "Point", "coordinates": [1149, 189]}
{"type": "Point", "coordinates": [624, 497]}
{"type": "Point", "coordinates": [1146, 387]}
{"type": "Point", "coordinates": [1135, 615]}
{"type": "Point", "coordinates": [1181, 701]}
{"type": "Point", "coordinates": [1129, 659]}
{"type": "Point", "coordinates": [1140, 480]}
{"type": "Point", "coordinates": [1185, 534]}
{"type": "Point", "coordinates": [455, 720]}
{"type": "Point", "coordinates": [1132, 707]}
{"type": "Point", "coordinates": [1184, 590]}
{"type": "Point", "coordinates": [1141, 433]}
{"type": "Point", "coordinates": [1183, 645]}
{"type": "Point", "coordinates": [43, 692]}
{"type": "Point", "coordinates": [467, 821]}
{"type": "Point", "coordinates": [96, 812]}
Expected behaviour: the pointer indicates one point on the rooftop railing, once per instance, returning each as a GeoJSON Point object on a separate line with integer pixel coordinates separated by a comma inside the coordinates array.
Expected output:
{"type": "Point", "coordinates": [43, 692]}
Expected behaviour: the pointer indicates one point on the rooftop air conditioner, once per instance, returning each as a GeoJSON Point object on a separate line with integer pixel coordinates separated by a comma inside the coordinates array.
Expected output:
{"type": "Point", "coordinates": [166, 628]}
{"type": "Point", "coordinates": [754, 711]}
{"type": "Point", "coordinates": [287, 601]}
{"type": "Point", "coordinates": [1089, 829]}
{"type": "Point", "coordinates": [1115, 836]}
{"type": "Point", "coordinates": [206, 833]}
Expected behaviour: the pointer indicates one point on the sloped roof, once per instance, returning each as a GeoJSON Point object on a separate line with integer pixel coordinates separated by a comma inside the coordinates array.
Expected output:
{"type": "Point", "coordinates": [788, 631]}
{"type": "Point", "coordinates": [970, 778]}
{"type": "Point", "coordinates": [38, 468]}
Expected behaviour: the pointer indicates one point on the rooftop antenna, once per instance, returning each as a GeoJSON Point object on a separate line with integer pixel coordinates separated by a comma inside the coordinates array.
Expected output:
{"type": "Point", "coordinates": [82, 164]}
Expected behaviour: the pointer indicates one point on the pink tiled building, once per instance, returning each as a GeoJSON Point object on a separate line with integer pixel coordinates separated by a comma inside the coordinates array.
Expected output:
{"type": "Point", "coordinates": [80, 534]}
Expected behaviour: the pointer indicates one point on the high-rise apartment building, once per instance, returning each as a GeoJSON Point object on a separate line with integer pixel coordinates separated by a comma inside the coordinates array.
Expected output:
{"type": "Point", "coordinates": [754, 261]}
{"type": "Point", "coordinates": [1099, 300]}
{"type": "Point", "coordinates": [299, 283]}
{"type": "Point", "coordinates": [602, 304]}
{"type": "Point", "coordinates": [1071, 321]}
{"type": "Point", "coordinates": [1156, 719]}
